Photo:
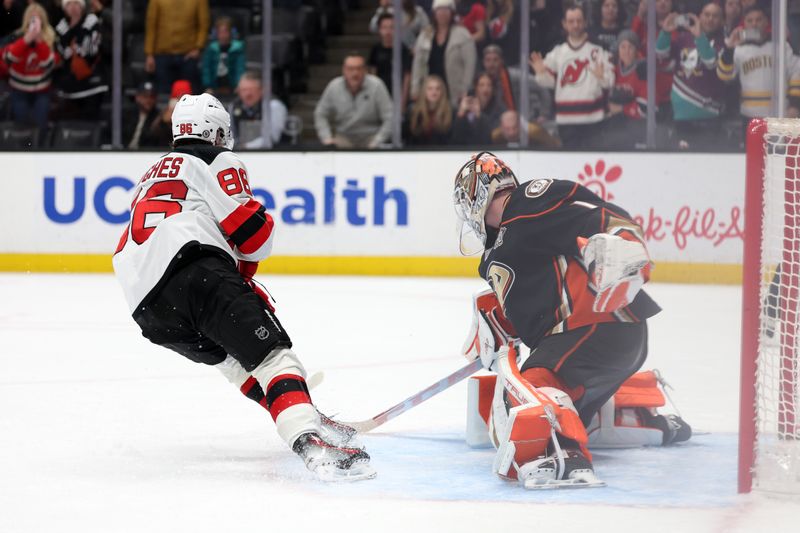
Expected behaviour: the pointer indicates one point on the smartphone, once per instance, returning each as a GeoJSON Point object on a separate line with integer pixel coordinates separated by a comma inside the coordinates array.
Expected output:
{"type": "Point", "coordinates": [750, 36]}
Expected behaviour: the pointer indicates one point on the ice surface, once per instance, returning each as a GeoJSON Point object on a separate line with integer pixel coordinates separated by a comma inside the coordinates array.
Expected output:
{"type": "Point", "coordinates": [102, 431]}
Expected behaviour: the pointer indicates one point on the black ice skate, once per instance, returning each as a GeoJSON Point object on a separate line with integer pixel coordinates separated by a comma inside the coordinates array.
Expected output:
{"type": "Point", "coordinates": [563, 469]}
{"type": "Point", "coordinates": [675, 428]}
{"type": "Point", "coordinates": [330, 462]}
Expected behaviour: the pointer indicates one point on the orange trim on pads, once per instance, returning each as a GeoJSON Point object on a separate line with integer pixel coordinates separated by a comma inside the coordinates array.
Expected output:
{"type": "Point", "coordinates": [572, 350]}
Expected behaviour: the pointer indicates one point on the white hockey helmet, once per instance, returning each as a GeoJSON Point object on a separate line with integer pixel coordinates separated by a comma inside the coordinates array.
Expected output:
{"type": "Point", "coordinates": [478, 180]}
{"type": "Point", "coordinates": [202, 117]}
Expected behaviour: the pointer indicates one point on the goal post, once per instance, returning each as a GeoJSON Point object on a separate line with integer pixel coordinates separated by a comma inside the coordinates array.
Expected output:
{"type": "Point", "coordinates": [769, 442]}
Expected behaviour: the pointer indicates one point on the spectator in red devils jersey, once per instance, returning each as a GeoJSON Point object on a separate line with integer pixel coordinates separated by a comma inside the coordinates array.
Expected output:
{"type": "Point", "coordinates": [579, 71]}
{"type": "Point", "coordinates": [565, 270]}
{"type": "Point", "coordinates": [30, 58]}
{"type": "Point", "coordinates": [186, 263]}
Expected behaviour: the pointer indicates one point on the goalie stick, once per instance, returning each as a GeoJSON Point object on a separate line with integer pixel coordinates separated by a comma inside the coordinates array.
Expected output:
{"type": "Point", "coordinates": [443, 384]}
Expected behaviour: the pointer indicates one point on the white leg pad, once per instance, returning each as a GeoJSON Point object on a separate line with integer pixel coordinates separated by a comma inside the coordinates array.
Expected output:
{"type": "Point", "coordinates": [604, 432]}
{"type": "Point", "coordinates": [233, 371]}
{"type": "Point", "coordinates": [296, 419]}
{"type": "Point", "coordinates": [477, 430]}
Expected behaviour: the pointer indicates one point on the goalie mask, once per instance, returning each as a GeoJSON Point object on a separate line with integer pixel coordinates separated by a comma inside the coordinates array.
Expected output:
{"type": "Point", "coordinates": [477, 182]}
{"type": "Point", "coordinates": [202, 117]}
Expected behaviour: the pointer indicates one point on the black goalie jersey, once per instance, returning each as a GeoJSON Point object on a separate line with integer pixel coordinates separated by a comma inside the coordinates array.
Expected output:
{"type": "Point", "coordinates": [534, 264]}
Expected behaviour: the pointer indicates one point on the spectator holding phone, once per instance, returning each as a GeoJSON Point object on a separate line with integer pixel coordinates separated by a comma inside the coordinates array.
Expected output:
{"type": "Point", "coordinates": [689, 45]}
{"type": "Point", "coordinates": [30, 58]}
{"type": "Point", "coordinates": [478, 113]}
{"type": "Point", "coordinates": [748, 55]}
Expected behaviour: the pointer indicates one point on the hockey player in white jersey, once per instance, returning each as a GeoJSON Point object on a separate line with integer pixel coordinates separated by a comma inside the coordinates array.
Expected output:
{"type": "Point", "coordinates": [186, 263]}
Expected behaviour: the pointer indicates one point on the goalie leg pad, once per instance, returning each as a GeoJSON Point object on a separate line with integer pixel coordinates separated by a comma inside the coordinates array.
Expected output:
{"type": "Point", "coordinates": [526, 420]}
{"type": "Point", "coordinates": [629, 419]}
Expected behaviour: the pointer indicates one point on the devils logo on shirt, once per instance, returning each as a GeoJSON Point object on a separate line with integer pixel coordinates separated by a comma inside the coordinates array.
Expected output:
{"type": "Point", "coordinates": [573, 73]}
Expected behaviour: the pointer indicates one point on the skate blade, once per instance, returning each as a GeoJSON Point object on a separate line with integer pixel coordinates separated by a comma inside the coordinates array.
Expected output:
{"type": "Point", "coordinates": [552, 484]}
{"type": "Point", "coordinates": [357, 472]}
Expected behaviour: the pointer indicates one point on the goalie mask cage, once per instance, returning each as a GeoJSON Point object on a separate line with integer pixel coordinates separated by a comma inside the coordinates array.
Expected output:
{"type": "Point", "coordinates": [769, 442]}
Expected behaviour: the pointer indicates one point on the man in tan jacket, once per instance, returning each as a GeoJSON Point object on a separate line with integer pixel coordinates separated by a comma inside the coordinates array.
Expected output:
{"type": "Point", "coordinates": [175, 34]}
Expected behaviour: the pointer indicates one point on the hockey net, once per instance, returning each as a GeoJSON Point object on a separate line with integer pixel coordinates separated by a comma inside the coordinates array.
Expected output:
{"type": "Point", "coordinates": [769, 446]}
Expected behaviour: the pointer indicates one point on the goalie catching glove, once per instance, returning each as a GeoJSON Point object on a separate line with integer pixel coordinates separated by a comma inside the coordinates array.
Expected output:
{"type": "Point", "coordinates": [490, 330]}
{"type": "Point", "coordinates": [618, 268]}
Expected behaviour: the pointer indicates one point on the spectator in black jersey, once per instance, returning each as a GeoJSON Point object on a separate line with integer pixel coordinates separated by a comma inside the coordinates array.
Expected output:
{"type": "Point", "coordinates": [80, 82]}
{"type": "Point", "coordinates": [609, 20]}
{"type": "Point", "coordinates": [431, 118]}
{"type": "Point", "coordinates": [380, 58]}
{"type": "Point", "coordinates": [139, 125]}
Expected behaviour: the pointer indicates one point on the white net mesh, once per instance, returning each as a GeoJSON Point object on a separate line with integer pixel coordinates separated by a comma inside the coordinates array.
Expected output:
{"type": "Point", "coordinates": [777, 463]}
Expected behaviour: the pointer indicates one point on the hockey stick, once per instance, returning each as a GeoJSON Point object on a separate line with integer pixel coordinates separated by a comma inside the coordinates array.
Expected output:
{"type": "Point", "coordinates": [396, 410]}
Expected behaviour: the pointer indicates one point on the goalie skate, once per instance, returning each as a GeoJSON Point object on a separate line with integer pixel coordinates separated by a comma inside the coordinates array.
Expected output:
{"type": "Point", "coordinates": [330, 462]}
{"type": "Point", "coordinates": [570, 471]}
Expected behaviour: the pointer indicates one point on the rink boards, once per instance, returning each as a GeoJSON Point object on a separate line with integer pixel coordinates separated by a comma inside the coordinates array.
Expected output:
{"type": "Point", "coordinates": [374, 213]}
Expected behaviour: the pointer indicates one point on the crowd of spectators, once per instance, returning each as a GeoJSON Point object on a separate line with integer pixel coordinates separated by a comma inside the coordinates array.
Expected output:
{"type": "Point", "coordinates": [460, 71]}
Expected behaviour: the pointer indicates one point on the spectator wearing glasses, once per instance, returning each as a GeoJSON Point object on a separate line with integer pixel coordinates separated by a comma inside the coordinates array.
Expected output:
{"type": "Point", "coordinates": [247, 107]}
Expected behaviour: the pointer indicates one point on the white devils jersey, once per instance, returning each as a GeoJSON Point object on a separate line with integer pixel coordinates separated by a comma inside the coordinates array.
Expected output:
{"type": "Point", "coordinates": [578, 91]}
{"type": "Point", "coordinates": [196, 196]}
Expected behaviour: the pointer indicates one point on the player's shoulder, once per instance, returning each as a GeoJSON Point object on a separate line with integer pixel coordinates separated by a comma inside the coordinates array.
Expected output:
{"type": "Point", "coordinates": [537, 197]}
